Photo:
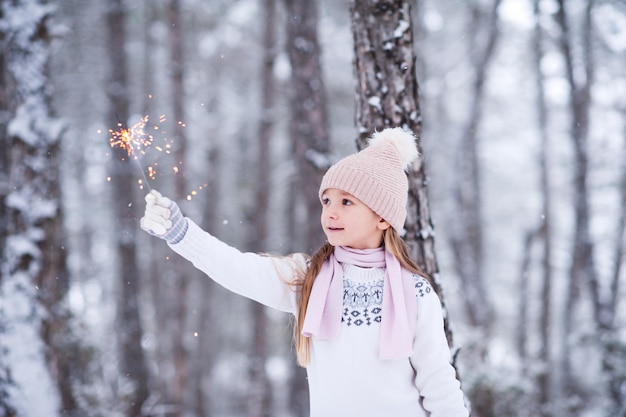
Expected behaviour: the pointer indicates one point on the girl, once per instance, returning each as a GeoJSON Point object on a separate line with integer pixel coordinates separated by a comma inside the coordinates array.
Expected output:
{"type": "Point", "coordinates": [369, 326]}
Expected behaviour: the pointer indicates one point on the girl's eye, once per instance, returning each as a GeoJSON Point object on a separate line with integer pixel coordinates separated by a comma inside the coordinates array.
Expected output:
{"type": "Point", "coordinates": [346, 202]}
{"type": "Point", "coordinates": [325, 201]}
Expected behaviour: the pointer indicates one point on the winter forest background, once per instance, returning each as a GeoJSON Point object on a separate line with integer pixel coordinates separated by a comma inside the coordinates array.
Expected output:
{"type": "Point", "coordinates": [522, 124]}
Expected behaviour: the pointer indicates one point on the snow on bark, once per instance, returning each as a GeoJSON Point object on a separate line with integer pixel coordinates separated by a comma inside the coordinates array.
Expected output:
{"type": "Point", "coordinates": [402, 27]}
{"type": "Point", "coordinates": [33, 392]}
{"type": "Point", "coordinates": [31, 120]}
{"type": "Point", "coordinates": [28, 388]}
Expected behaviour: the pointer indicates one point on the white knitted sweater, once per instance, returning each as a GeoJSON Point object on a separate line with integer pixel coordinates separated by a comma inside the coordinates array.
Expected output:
{"type": "Point", "coordinates": [346, 377]}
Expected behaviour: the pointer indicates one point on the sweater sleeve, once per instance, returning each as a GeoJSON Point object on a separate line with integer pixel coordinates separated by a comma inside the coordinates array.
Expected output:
{"type": "Point", "coordinates": [266, 279]}
{"type": "Point", "coordinates": [435, 376]}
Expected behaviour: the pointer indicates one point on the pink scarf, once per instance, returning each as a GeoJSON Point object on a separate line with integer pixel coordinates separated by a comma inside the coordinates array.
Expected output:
{"type": "Point", "coordinates": [399, 309]}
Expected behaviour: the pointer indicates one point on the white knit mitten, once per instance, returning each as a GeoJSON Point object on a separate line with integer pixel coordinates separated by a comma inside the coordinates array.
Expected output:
{"type": "Point", "coordinates": [163, 218]}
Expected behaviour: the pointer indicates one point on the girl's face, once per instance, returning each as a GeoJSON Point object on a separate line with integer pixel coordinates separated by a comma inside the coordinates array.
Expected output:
{"type": "Point", "coordinates": [349, 222]}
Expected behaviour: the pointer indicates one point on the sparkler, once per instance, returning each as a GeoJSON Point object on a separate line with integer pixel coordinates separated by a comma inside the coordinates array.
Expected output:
{"type": "Point", "coordinates": [133, 140]}
{"type": "Point", "coordinates": [136, 141]}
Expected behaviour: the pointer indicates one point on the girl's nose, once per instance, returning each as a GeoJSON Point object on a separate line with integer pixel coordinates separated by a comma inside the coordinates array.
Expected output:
{"type": "Point", "coordinates": [330, 212]}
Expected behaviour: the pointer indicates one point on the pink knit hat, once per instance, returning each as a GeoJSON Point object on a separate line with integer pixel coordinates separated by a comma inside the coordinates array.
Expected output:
{"type": "Point", "coordinates": [376, 174]}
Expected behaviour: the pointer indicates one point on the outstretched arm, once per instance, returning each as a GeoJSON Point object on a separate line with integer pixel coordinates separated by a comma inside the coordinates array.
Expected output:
{"type": "Point", "coordinates": [266, 279]}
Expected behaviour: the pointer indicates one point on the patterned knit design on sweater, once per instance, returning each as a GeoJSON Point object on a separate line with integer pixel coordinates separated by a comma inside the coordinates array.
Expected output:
{"type": "Point", "coordinates": [362, 301]}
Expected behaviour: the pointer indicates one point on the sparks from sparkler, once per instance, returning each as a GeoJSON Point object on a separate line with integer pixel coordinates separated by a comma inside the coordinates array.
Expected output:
{"type": "Point", "coordinates": [196, 191]}
{"type": "Point", "coordinates": [133, 140]}
{"type": "Point", "coordinates": [136, 140]}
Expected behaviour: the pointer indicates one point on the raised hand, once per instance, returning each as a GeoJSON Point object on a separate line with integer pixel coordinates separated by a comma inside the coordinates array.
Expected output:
{"type": "Point", "coordinates": [163, 218]}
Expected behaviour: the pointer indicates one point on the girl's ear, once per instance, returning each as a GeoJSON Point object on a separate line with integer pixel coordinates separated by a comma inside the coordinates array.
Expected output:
{"type": "Point", "coordinates": [383, 224]}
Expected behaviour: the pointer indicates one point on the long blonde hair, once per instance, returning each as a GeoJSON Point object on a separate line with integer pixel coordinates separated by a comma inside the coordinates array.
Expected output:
{"type": "Point", "coordinates": [392, 241]}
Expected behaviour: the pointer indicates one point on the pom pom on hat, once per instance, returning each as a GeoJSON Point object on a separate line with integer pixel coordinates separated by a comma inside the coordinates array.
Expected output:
{"type": "Point", "coordinates": [376, 175]}
{"type": "Point", "coordinates": [403, 140]}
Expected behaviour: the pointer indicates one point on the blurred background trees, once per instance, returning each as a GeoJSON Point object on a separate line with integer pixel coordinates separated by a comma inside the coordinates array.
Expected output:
{"type": "Point", "coordinates": [520, 110]}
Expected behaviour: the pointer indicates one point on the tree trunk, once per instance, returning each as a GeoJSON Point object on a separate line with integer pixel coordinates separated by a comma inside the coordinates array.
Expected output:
{"type": "Point", "coordinates": [147, 58]}
{"type": "Point", "coordinates": [544, 377]}
{"type": "Point", "coordinates": [260, 395]}
{"type": "Point", "coordinates": [153, 278]}
{"type": "Point", "coordinates": [34, 275]}
{"type": "Point", "coordinates": [386, 95]}
{"type": "Point", "coordinates": [6, 380]}
{"type": "Point", "coordinates": [176, 271]}
{"type": "Point", "coordinates": [468, 238]}
{"type": "Point", "coordinates": [523, 298]}
{"type": "Point", "coordinates": [203, 359]}
{"type": "Point", "coordinates": [308, 129]}
{"type": "Point", "coordinates": [132, 365]}
{"type": "Point", "coordinates": [5, 144]}
{"type": "Point", "coordinates": [308, 125]}
{"type": "Point", "coordinates": [582, 268]}
{"type": "Point", "coordinates": [206, 300]}
{"type": "Point", "coordinates": [614, 349]}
